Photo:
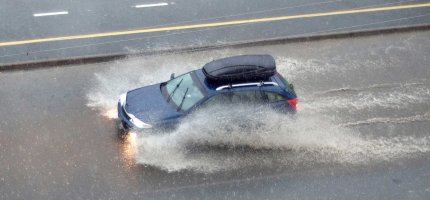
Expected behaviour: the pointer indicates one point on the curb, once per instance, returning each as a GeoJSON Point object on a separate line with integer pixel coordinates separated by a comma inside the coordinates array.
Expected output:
{"type": "Point", "coordinates": [280, 40]}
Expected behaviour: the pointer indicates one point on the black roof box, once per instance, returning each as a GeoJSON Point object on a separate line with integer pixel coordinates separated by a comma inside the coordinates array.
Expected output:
{"type": "Point", "coordinates": [240, 68]}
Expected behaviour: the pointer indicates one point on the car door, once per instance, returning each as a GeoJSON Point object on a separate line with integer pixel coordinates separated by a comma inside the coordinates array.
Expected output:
{"type": "Point", "coordinates": [256, 99]}
{"type": "Point", "coordinates": [237, 107]}
{"type": "Point", "coordinates": [233, 98]}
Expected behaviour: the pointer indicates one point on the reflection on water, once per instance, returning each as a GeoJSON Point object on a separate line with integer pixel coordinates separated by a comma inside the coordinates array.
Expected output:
{"type": "Point", "coordinates": [111, 114]}
{"type": "Point", "coordinates": [129, 149]}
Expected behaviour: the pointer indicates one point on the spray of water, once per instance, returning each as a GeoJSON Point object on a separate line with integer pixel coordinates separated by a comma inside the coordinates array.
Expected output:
{"type": "Point", "coordinates": [131, 73]}
{"type": "Point", "coordinates": [379, 96]}
{"type": "Point", "coordinates": [256, 138]}
{"type": "Point", "coordinates": [271, 138]}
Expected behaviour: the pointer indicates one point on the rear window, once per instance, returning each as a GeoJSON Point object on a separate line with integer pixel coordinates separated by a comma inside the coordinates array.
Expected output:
{"type": "Point", "coordinates": [288, 86]}
{"type": "Point", "coordinates": [284, 80]}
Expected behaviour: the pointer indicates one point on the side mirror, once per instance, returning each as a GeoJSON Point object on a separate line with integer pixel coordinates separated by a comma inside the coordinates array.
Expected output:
{"type": "Point", "coordinates": [172, 76]}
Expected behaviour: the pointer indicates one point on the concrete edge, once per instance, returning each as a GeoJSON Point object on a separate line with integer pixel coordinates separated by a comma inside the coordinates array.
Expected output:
{"type": "Point", "coordinates": [280, 40]}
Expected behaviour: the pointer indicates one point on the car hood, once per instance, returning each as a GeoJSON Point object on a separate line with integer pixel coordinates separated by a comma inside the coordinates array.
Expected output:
{"type": "Point", "coordinates": [149, 105]}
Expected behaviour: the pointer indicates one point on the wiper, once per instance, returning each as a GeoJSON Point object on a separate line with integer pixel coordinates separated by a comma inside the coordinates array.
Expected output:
{"type": "Point", "coordinates": [174, 90]}
{"type": "Point", "coordinates": [183, 99]}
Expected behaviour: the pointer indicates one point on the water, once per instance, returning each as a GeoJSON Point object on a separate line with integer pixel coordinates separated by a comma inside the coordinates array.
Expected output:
{"type": "Point", "coordinates": [345, 116]}
{"type": "Point", "coordinates": [271, 139]}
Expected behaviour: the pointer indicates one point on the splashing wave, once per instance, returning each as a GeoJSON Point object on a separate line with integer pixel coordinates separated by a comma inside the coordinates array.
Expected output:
{"type": "Point", "coordinates": [250, 138]}
{"type": "Point", "coordinates": [270, 139]}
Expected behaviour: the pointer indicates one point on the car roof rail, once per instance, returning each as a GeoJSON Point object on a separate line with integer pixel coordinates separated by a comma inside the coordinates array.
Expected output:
{"type": "Point", "coordinates": [262, 83]}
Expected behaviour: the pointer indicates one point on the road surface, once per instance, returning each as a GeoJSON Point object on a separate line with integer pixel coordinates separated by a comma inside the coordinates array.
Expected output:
{"type": "Point", "coordinates": [361, 132]}
{"type": "Point", "coordinates": [49, 30]}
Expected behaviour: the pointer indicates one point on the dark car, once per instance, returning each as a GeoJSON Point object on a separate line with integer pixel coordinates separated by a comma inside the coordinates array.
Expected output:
{"type": "Point", "coordinates": [238, 79]}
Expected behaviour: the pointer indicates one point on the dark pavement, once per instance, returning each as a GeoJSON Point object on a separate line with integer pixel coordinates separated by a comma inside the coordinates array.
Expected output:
{"type": "Point", "coordinates": [88, 17]}
{"type": "Point", "coordinates": [362, 131]}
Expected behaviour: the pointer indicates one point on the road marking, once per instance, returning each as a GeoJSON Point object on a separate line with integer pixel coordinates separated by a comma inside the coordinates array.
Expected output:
{"type": "Point", "coordinates": [215, 24]}
{"type": "Point", "coordinates": [50, 13]}
{"type": "Point", "coordinates": [151, 5]}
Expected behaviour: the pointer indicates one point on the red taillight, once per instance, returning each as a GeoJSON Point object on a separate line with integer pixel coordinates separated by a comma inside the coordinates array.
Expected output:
{"type": "Point", "coordinates": [293, 103]}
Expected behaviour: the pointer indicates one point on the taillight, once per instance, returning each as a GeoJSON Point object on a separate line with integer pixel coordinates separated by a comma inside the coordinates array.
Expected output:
{"type": "Point", "coordinates": [293, 103]}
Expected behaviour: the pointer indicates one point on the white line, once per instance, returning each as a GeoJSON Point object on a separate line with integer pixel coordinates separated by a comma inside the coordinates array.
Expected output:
{"type": "Point", "coordinates": [51, 13]}
{"type": "Point", "coordinates": [151, 5]}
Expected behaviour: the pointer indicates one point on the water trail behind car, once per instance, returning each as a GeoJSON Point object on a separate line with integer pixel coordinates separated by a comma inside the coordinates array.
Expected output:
{"type": "Point", "coordinates": [269, 139]}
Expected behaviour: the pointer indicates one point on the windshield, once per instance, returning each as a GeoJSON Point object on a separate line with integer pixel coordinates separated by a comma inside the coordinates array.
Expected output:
{"type": "Point", "coordinates": [183, 91]}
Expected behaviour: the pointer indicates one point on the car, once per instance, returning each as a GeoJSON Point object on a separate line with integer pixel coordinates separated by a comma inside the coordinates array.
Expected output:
{"type": "Point", "coordinates": [238, 79]}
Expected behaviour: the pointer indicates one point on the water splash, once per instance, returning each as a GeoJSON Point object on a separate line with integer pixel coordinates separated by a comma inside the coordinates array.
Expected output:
{"type": "Point", "coordinates": [391, 120]}
{"type": "Point", "coordinates": [269, 138]}
{"type": "Point", "coordinates": [127, 74]}
{"type": "Point", "coordinates": [385, 96]}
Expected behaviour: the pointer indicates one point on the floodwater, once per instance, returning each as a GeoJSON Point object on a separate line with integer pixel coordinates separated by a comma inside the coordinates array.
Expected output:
{"type": "Point", "coordinates": [367, 105]}
{"type": "Point", "coordinates": [361, 131]}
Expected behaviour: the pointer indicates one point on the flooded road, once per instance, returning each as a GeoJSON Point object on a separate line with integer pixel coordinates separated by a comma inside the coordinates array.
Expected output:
{"type": "Point", "coordinates": [362, 130]}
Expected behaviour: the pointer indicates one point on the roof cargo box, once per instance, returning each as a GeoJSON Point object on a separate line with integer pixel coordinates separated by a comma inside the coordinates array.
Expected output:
{"type": "Point", "coordinates": [240, 68]}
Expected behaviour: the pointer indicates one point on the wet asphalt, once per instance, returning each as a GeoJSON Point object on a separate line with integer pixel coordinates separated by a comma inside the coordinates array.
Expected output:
{"type": "Point", "coordinates": [55, 144]}
{"type": "Point", "coordinates": [18, 23]}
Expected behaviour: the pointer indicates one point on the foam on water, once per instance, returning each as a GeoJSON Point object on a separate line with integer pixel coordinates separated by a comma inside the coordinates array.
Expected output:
{"type": "Point", "coordinates": [390, 120]}
{"type": "Point", "coordinates": [270, 138]}
{"type": "Point", "coordinates": [401, 96]}
{"type": "Point", "coordinates": [307, 138]}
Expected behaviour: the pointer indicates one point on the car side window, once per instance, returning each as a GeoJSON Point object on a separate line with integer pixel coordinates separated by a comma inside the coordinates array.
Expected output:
{"type": "Point", "coordinates": [272, 96]}
{"type": "Point", "coordinates": [219, 99]}
{"type": "Point", "coordinates": [243, 97]}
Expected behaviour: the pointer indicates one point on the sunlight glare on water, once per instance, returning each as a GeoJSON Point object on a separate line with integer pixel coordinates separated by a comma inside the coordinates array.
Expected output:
{"type": "Point", "coordinates": [129, 148]}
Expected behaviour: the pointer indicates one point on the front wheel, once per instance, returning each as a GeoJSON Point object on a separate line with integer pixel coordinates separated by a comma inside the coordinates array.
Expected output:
{"type": "Point", "coordinates": [122, 130]}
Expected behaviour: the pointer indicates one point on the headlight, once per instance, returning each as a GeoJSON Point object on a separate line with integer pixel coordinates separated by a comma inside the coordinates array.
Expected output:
{"type": "Point", "coordinates": [133, 119]}
{"type": "Point", "coordinates": [123, 98]}
{"type": "Point", "coordinates": [137, 122]}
